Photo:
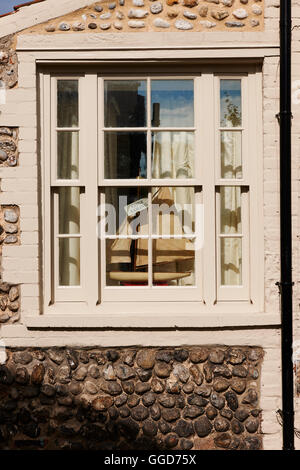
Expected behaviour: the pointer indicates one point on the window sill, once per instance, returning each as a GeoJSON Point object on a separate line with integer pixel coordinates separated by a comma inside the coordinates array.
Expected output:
{"type": "Point", "coordinates": [157, 321]}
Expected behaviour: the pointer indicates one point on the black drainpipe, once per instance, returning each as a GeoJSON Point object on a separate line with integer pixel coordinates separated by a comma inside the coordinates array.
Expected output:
{"type": "Point", "coordinates": [286, 284]}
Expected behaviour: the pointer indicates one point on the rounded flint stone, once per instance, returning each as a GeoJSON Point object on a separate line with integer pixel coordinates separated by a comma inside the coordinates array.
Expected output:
{"type": "Point", "coordinates": [3, 156]}
{"type": "Point", "coordinates": [64, 27]}
{"type": "Point", "coordinates": [182, 24]}
{"type": "Point", "coordinates": [92, 25]}
{"type": "Point", "coordinates": [156, 8]}
{"type": "Point", "coordinates": [105, 26]}
{"type": "Point", "coordinates": [78, 26]}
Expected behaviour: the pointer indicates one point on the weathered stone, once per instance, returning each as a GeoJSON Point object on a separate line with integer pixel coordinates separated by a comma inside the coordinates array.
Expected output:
{"type": "Point", "coordinates": [202, 426]}
{"type": "Point", "coordinates": [238, 385]}
{"type": "Point", "coordinates": [118, 25]}
{"type": "Point", "coordinates": [235, 356]}
{"type": "Point", "coordinates": [3, 156]}
{"type": "Point", "coordinates": [124, 372]}
{"type": "Point", "coordinates": [208, 24]}
{"type": "Point", "coordinates": [228, 414]}
{"type": "Point", "coordinates": [13, 293]}
{"type": "Point", "coordinates": [240, 371]}
{"type": "Point", "coordinates": [240, 13]}
{"type": "Point", "coordinates": [162, 369]}
{"type": "Point", "coordinates": [99, 358]}
{"type": "Point", "coordinates": [254, 22]}
{"type": "Point", "coordinates": [64, 27]}
{"type": "Point", "coordinates": [56, 355]}
{"type": "Point", "coordinates": [105, 16]}
{"type": "Point", "coordinates": [61, 390]}
{"type": "Point", "coordinates": [65, 401]}
{"type": "Point", "coordinates": [75, 388]}
{"type": "Point", "coordinates": [221, 425]}
{"type": "Point", "coordinates": [3, 303]}
{"type": "Point", "coordinates": [253, 443]}
{"type": "Point", "coordinates": [50, 28]}
{"type": "Point", "coordinates": [139, 413]}
{"type": "Point", "coordinates": [102, 403]}
{"type": "Point", "coordinates": [4, 287]}
{"type": "Point", "coordinates": [128, 387]}
{"type": "Point", "coordinates": [133, 13]}
{"type": "Point", "coordinates": [173, 386]}
{"type": "Point", "coordinates": [112, 5]}
{"type": "Point", "coordinates": [78, 26]}
{"type": "Point", "coordinates": [254, 354]}
{"type": "Point", "coordinates": [193, 412]}
{"type": "Point", "coordinates": [6, 375]}
{"type": "Point", "coordinates": [217, 356]}
{"type": "Point", "coordinates": [37, 374]}
{"type": "Point", "coordinates": [253, 372]}
{"type": "Point", "coordinates": [64, 374]}
{"type": "Point", "coordinates": [188, 388]}
{"type": "Point", "coordinates": [231, 400]}
{"type": "Point", "coordinates": [105, 26]}
{"type": "Point", "coordinates": [208, 373]}
{"type": "Point", "coordinates": [150, 428]}
{"type": "Point", "coordinates": [222, 371]}
{"type": "Point", "coordinates": [218, 401]}
{"type": "Point", "coordinates": [10, 239]}
{"type": "Point", "coordinates": [93, 371]}
{"type": "Point", "coordinates": [203, 391]}
{"type": "Point", "coordinates": [227, 3]}
{"type": "Point", "coordinates": [172, 13]}
{"type": "Point", "coordinates": [160, 23]}
{"type": "Point", "coordinates": [211, 412]}
{"type": "Point", "coordinates": [121, 400]}
{"type": "Point", "coordinates": [196, 374]}
{"type": "Point", "coordinates": [142, 387]}
{"type": "Point", "coordinates": [124, 411]}
{"type": "Point", "coordinates": [48, 390]}
{"type": "Point", "coordinates": [146, 358]}
{"type": "Point", "coordinates": [129, 358]}
{"type": "Point", "coordinates": [256, 413]}
{"type": "Point", "coordinates": [234, 24]}
{"type": "Point", "coordinates": [170, 3]}
{"type": "Point", "coordinates": [91, 388]}
{"type": "Point", "coordinates": [223, 440]}
{"type": "Point", "coordinates": [220, 385]}
{"type": "Point", "coordinates": [183, 24]}
{"type": "Point", "coordinates": [236, 426]}
{"type": "Point", "coordinates": [156, 7]}
{"type": "Point", "coordinates": [144, 375]}
{"type": "Point", "coordinates": [199, 355]}
{"type": "Point", "coordinates": [241, 414]}
{"type": "Point", "coordinates": [157, 385]}
{"type": "Point", "coordinates": [181, 372]}
{"type": "Point", "coordinates": [256, 9]}
{"type": "Point", "coordinates": [22, 357]}
{"type": "Point", "coordinates": [81, 373]}
{"type": "Point", "coordinates": [170, 414]}
{"type": "Point", "coordinates": [136, 24]}
{"type": "Point", "coordinates": [219, 14]}
{"type": "Point", "coordinates": [109, 373]}
{"type": "Point", "coordinates": [189, 15]}
{"type": "Point", "coordinates": [166, 401]}
{"type": "Point", "coordinates": [171, 441]}
{"type": "Point", "coordinates": [133, 401]}
{"type": "Point", "coordinates": [184, 428]}
{"type": "Point", "coordinates": [251, 425]}
{"type": "Point", "coordinates": [164, 427]}
{"type": "Point", "coordinates": [190, 3]}
{"type": "Point", "coordinates": [10, 228]}
{"type": "Point", "coordinates": [203, 10]}
{"type": "Point", "coordinates": [148, 399]}
{"type": "Point", "coordinates": [112, 388]}
{"type": "Point", "coordinates": [197, 400]}
{"type": "Point", "coordinates": [155, 412]}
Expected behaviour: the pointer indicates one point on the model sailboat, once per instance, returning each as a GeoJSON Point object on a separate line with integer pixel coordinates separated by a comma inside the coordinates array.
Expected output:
{"type": "Point", "coordinates": [133, 254]}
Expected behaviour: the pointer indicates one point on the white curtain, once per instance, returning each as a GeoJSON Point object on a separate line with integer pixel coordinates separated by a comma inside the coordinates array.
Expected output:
{"type": "Point", "coordinates": [173, 157]}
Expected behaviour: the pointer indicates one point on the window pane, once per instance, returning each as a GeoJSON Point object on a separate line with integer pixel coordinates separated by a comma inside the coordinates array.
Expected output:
{"type": "Point", "coordinates": [230, 209]}
{"type": "Point", "coordinates": [173, 211]}
{"type": "Point", "coordinates": [231, 106]}
{"type": "Point", "coordinates": [231, 261]}
{"type": "Point", "coordinates": [125, 155]}
{"type": "Point", "coordinates": [69, 210]}
{"type": "Point", "coordinates": [67, 103]}
{"type": "Point", "coordinates": [172, 103]}
{"type": "Point", "coordinates": [69, 261]}
{"type": "Point", "coordinates": [67, 155]}
{"type": "Point", "coordinates": [231, 155]}
{"type": "Point", "coordinates": [173, 262]}
{"type": "Point", "coordinates": [126, 262]}
{"type": "Point", "coordinates": [173, 155]}
{"type": "Point", "coordinates": [126, 211]}
{"type": "Point", "coordinates": [125, 103]}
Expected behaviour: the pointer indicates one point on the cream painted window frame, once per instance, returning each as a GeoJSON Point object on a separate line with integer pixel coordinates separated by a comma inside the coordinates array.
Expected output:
{"type": "Point", "coordinates": [211, 301]}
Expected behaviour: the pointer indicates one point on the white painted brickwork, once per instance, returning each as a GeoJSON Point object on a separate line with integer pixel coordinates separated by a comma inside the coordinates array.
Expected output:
{"type": "Point", "coordinates": [20, 186]}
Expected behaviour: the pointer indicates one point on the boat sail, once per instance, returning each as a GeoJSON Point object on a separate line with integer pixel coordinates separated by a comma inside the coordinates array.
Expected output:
{"type": "Point", "coordinates": [166, 252]}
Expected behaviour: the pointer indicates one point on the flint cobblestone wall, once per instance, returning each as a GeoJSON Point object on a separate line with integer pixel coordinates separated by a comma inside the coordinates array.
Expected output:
{"type": "Point", "coordinates": [127, 398]}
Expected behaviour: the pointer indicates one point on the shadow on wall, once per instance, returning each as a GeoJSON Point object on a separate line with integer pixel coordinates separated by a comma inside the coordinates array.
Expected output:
{"type": "Point", "coordinates": [131, 399]}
